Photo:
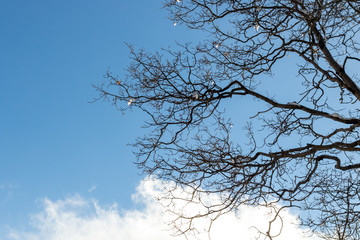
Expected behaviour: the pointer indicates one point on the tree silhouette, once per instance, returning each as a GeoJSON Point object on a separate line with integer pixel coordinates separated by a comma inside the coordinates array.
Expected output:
{"type": "Point", "coordinates": [301, 152]}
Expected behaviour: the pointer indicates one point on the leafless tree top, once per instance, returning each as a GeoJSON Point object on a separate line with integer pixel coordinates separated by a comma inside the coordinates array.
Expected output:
{"type": "Point", "coordinates": [306, 154]}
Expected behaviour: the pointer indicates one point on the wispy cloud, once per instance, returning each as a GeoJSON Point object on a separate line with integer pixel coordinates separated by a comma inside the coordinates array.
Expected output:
{"type": "Point", "coordinates": [93, 188]}
{"type": "Point", "coordinates": [78, 219]}
{"type": "Point", "coordinates": [7, 191]}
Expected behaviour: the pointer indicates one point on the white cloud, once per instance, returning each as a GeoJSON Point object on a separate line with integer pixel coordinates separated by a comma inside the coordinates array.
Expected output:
{"type": "Point", "coordinates": [93, 188]}
{"type": "Point", "coordinates": [78, 219]}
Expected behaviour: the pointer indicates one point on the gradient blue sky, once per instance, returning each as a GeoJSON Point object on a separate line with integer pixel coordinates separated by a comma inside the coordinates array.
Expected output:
{"type": "Point", "coordinates": [53, 141]}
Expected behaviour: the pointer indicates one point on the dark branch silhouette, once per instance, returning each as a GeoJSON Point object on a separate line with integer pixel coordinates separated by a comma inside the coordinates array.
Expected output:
{"type": "Point", "coordinates": [306, 152]}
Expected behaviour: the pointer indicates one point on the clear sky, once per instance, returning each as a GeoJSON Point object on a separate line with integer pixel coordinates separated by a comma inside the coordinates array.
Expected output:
{"type": "Point", "coordinates": [54, 144]}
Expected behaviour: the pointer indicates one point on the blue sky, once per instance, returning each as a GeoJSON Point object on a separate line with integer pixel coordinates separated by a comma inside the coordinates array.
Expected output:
{"type": "Point", "coordinates": [53, 141]}
{"type": "Point", "coordinates": [54, 144]}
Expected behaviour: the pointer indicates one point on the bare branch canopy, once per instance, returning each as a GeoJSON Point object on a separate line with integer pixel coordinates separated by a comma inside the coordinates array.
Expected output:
{"type": "Point", "coordinates": [299, 150]}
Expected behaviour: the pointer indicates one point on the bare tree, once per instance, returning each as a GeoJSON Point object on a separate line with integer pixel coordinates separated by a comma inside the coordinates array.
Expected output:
{"type": "Point", "coordinates": [306, 152]}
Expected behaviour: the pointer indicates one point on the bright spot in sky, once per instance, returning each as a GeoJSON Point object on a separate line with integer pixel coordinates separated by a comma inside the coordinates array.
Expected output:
{"type": "Point", "coordinates": [195, 95]}
{"type": "Point", "coordinates": [131, 100]}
